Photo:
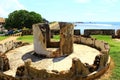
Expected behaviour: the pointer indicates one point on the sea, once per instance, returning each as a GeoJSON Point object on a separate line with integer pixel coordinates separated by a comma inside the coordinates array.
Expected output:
{"type": "Point", "coordinates": [96, 25]}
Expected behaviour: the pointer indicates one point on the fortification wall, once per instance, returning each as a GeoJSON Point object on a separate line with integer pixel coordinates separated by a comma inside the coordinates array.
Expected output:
{"type": "Point", "coordinates": [88, 32]}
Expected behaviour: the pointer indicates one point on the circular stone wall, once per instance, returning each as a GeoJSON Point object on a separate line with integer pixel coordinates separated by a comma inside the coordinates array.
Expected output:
{"type": "Point", "coordinates": [24, 64]}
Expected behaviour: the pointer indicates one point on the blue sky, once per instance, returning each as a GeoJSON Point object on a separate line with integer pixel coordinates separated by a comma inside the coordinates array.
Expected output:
{"type": "Point", "coordinates": [66, 10]}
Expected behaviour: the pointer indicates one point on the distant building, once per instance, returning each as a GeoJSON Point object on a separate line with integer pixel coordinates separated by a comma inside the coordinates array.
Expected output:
{"type": "Point", "coordinates": [2, 21]}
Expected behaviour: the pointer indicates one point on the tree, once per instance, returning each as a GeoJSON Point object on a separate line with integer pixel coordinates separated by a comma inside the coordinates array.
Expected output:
{"type": "Point", "coordinates": [22, 18]}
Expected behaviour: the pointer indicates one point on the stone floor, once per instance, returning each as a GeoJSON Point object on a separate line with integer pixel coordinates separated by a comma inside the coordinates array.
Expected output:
{"type": "Point", "coordinates": [17, 56]}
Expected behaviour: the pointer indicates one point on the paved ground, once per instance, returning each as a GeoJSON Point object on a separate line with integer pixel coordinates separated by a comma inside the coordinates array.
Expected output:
{"type": "Point", "coordinates": [17, 56]}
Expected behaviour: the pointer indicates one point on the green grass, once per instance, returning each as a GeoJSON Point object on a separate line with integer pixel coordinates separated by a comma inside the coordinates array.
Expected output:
{"type": "Point", "coordinates": [114, 53]}
{"type": "Point", "coordinates": [29, 38]}
{"type": "Point", "coordinates": [56, 37]}
{"type": "Point", "coordinates": [26, 38]}
{"type": "Point", "coordinates": [3, 37]}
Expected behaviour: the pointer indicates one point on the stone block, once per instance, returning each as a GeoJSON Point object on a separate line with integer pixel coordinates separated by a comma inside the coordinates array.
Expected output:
{"type": "Point", "coordinates": [4, 63]}
{"type": "Point", "coordinates": [39, 33]}
{"type": "Point", "coordinates": [20, 71]}
{"type": "Point", "coordinates": [83, 40]}
{"type": "Point", "coordinates": [118, 32]}
{"type": "Point", "coordinates": [77, 32]}
{"type": "Point", "coordinates": [78, 68]}
{"type": "Point", "coordinates": [77, 39]}
{"type": "Point", "coordinates": [88, 32]}
{"type": "Point", "coordinates": [99, 45]}
{"type": "Point", "coordinates": [6, 46]}
{"type": "Point", "coordinates": [66, 38]}
{"type": "Point", "coordinates": [103, 60]}
{"type": "Point", "coordinates": [90, 42]}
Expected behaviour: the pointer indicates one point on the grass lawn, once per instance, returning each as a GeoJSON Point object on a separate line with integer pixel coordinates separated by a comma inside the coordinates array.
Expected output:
{"type": "Point", "coordinates": [3, 37]}
{"type": "Point", "coordinates": [56, 38]}
{"type": "Point", "coordinates": [26, 38]}
{"type": "Point", "coordinates": [114, 53]}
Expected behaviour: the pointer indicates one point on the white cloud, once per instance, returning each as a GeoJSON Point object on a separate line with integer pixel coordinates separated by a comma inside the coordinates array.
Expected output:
{"type": "Point", "coordinates": [6, 6]}
{"type": "Point", "coordinates": [82, 1]}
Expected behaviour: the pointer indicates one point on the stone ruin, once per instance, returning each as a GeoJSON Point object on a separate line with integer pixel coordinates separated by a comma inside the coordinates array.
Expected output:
{"type": "Point", "coordinates": [42, 37]}
{"type": "Point", "coordinates": [117, 34]}
{"type": "Point", "coordinates": [78, 69]}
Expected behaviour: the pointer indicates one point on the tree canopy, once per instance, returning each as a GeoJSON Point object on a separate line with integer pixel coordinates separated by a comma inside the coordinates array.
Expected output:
{"type": "Point", "coordinates": [22, 18]}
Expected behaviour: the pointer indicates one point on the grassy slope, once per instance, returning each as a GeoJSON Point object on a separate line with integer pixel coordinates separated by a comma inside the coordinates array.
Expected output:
{"type": "Point", "coordinates": [114, 53]}
{"type": "Point", "coordinates": [3, 37]}
{"type": "Point", "coordinates": [26, 38]}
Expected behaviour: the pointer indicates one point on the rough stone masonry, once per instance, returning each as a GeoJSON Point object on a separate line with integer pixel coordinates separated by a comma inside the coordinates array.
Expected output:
{"type": "Point", "coordinates": [42, 35]}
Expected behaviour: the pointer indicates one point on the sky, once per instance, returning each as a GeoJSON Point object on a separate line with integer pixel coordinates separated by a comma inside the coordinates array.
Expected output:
{"type": "Point", "coordinates": [66, 10]}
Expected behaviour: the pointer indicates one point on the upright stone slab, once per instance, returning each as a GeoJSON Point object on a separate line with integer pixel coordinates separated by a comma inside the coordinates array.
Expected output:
{"type": "Point", "coordinates": [66, 38]}
{"type": "Point", "coordinates": [40, 36]}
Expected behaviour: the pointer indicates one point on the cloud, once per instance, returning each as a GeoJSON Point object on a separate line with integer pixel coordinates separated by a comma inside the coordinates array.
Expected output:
{"type": "Point", "coordinates": [6, 6]}
{"type": "Point", "coordinates": [82, 1]}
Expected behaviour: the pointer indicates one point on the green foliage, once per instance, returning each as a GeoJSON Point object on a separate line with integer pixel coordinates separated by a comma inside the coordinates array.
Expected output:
{"type": "Point", "coordinates": [114, 53]}
{"type": "Point", "coordinates": [20, 18]}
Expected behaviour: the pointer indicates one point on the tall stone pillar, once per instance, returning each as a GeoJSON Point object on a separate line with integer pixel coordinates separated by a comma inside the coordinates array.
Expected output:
{"type": "Point", "coordinates": [66, 38]}
{"type": "Point", "coordinates": [40, 38]}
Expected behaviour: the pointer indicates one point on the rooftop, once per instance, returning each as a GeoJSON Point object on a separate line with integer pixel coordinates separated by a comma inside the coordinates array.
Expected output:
{"type": "Point", "coordinates": [2, 20]}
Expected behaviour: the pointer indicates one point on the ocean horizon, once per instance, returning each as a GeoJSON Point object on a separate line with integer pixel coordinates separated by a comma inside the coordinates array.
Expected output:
{"type": "Point", "coordinates": [96, 25]}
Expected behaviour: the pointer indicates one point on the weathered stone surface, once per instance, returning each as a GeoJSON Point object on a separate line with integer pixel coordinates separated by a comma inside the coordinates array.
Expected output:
{"type": "Point", "coordinates": [78, 68]}
{"type": "Point", "coordinates": [77, 32]}
{"type": "Point", "coordinates": [20, 71]}
{"type": "Point", "coordinates": [102, 60]}
{"type": "Point", "coordinates": [77, 39]}
{"type": "Point", "coordinates": [17, 44]}
{"type": "Point", "coordinates": [27, 32]}
{"type": "Point", "coordinates": [90, 42]}
{"type": "Point", "coordinates": [66, 38]}
{"type": "Point", "coordinates": [118, 32]}
{"type": "Point", "coordinates": [5, 46]}
{"type": "Point", "coordinates": [39, 33]}
{"type": "Point", "coordinates": [100, 45]}
{"type": "Point", "coordinates": [4, 63]}
{"type": "Point", "coordinates": [83, 40]}
{"type": "Point", "coordinates": [88, 32]}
